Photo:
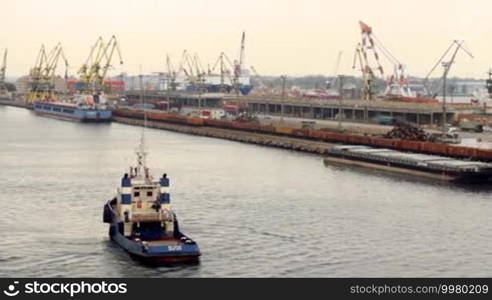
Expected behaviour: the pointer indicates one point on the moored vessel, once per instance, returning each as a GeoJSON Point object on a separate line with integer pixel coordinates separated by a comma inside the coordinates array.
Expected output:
{"type": "Point", "coordinates": [424, 165]}
{"type": "Point", "coordinates": [85, 108]}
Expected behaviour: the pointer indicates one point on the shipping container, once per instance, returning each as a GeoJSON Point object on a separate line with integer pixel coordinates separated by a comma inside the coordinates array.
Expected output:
{"type": "Point", "coordinates": [195, 121]}
{"type": "Point", "coordinates": [284, 130]}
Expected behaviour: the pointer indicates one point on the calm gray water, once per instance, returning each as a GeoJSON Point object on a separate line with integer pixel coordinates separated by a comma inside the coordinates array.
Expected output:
{"type": "Point", "coordinates": [254, 211]}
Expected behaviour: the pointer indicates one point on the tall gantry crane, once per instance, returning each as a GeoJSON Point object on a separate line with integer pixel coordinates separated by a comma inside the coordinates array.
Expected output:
{"type": "Point", "coordinates": [239, 65]}
{"type": "Point", "coordinates": [42, 75]}
{"type": "Point", "coordinates": [95, 69]}
{"type": "Point", "coordinates": [3, 68]}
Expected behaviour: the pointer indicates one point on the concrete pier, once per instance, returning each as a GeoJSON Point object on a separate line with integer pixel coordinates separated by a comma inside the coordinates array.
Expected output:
{"type": "Point", "coordinates": [354, 110]}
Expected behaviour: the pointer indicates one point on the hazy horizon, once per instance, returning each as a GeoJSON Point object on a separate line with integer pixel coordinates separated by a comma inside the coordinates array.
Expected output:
{"type": "Point", "coordinates": [296, 38]}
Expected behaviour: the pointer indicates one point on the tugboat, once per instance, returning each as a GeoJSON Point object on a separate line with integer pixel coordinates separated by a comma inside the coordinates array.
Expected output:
{"type": "Point", "coordinates": [142, 221]}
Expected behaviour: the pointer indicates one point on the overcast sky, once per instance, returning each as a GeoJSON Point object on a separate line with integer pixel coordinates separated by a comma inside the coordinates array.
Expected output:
{"type": "Point", "coordinates": [293, 37]}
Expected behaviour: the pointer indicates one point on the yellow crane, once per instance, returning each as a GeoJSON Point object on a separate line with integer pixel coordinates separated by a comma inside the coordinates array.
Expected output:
{"type": "Point", "coordinates": [95, 69]}
{"type": "Point", "coordinates": [42, 75]}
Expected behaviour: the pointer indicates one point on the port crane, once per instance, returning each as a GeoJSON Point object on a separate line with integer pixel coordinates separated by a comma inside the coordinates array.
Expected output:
{"type": "Point", "coordinates": [446, 64]}
{"type": "Point", "coordinates": [262, 85]}
{"type": "Point", "coordinates": [239, 65]}
{"type": "Point", "coordinates": [453, 48]}
{"type": "Point", "coordinates": [367, 58]}
{"type": "Point", "coordinates": [225, 72]}
{"type": "Point", "coordinates": [332, 83]}
{"type": "Point", "coordinates": [171, 74]}
{"type": "Point", "coordinates": [3, 68]}
{"type": "Point", "coordinates": [42, 75]}
{"type": "Point", "coordinates": [95, 68]}
{"type": "Point", "coordinates": [193, 70]}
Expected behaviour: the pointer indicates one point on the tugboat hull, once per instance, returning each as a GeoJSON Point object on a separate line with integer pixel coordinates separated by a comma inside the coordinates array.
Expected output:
{"type": "Point", "coordinates": [178, 249]}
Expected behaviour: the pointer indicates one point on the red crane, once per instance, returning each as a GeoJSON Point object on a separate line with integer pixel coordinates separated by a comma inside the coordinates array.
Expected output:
{"type": "Point", "coordinates": [367, 55]}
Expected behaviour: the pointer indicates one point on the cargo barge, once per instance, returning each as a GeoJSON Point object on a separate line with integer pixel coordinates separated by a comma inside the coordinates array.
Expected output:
{"type": "Point", "coordinates": [430, 166]}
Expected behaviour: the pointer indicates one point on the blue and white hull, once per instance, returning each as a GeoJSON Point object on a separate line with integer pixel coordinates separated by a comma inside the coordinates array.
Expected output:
{"type": "Point", "coordinates": [72, 112]}
{"type": "Point", "coordinates": [143, 223]}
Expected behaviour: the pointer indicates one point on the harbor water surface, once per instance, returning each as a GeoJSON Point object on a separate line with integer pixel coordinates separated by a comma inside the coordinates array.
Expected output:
{"type": "Point", "coordinates": [254, 211]}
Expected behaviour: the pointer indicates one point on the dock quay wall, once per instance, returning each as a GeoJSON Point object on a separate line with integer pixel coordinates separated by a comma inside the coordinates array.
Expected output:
{"type": "Point", "coordinates": [234, 135]}
{"type": "Point", "coordinates": [275, 134]}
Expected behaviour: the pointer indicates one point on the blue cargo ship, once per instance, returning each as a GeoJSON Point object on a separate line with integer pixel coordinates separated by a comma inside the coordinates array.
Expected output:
{"type": "Point", "coordinates": [87, 108]}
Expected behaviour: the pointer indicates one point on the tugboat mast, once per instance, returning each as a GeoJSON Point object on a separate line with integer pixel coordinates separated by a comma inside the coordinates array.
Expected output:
{"type": "Point", "coordinates": [141, 152]}
{"type": "Point", "coordinates": [142, 156]}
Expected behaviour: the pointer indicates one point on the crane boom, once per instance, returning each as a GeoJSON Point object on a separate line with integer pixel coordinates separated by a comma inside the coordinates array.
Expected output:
{"type": "Point", "coordinates": [3, 68]}
{"type": "Point", "coordinates": [446, 64]}
{"type": "Point", "coordinates": [95, 69]}
{"type": "Point", "coordinates": [112, 46]}
{"type": "Point", "coordinates": [42, 75]}
{"type": "Point", "coordinates": [241, 53]}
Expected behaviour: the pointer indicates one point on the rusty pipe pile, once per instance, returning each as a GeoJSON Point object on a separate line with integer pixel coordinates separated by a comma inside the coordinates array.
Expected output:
{"type": "Point", "coordinates": [407, 131]}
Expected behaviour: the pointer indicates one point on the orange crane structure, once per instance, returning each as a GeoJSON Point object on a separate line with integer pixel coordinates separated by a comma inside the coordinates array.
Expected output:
{"type": "Point", "coordinates": [368, 60]}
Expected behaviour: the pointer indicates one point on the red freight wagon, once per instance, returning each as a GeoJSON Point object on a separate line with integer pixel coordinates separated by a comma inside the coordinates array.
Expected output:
{"type": "Point", "coordinates": [382, 142]}
{"type": "Point", "coordinates": [406, 145]}
{"type": "Point", "coordinates": [440, 149]}
{"type": "Point", "coordinates": [461, 151]}
{"type": "Point", "coordinates": [335, 137]}
{"type": "Point", "coordinates": [484, 154]}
